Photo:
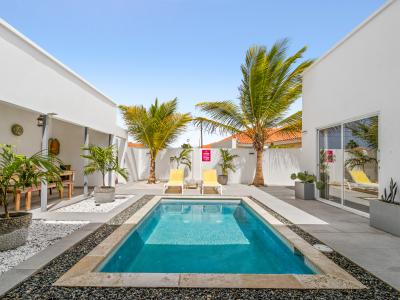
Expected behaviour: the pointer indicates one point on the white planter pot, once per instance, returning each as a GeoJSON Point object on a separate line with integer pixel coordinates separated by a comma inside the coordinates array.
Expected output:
{"type": "Point", "coordinates": [305, 191]}
{"type": "Point", "coordinates": [104, 194]}
{"type": "Point", "coordinates": [385, 216]}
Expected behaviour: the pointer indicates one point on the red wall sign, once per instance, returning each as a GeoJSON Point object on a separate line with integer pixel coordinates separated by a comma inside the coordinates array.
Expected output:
{"type": "Point", "coordinates": [205, 155]}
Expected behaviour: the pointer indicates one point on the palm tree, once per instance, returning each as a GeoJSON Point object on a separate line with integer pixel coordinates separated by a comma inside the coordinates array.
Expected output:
{"type": "Point", "coordinates": [271, 83]}
{"type": "Point", "coordinates": [156, 128]}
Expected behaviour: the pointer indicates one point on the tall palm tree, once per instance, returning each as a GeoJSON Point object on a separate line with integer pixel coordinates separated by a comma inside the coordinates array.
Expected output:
{"type": "Point", "coordinates": [271, 83]}
{"type": "Point", "coordinates": [156, 127]}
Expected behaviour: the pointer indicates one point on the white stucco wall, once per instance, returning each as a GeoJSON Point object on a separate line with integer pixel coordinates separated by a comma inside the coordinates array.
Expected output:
{"type": "Point", "coordinates": [69, 135]}
{"type": "Point", "coordinates": [33, 79]}
{"type": "Point", "coordinates": [278, 164]}
{"type": "Point", "coordinates": [359, 77]}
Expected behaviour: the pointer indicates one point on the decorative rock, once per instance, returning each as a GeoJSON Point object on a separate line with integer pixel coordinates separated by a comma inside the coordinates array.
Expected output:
{"type": "Point", "coordinates": [323, 248]}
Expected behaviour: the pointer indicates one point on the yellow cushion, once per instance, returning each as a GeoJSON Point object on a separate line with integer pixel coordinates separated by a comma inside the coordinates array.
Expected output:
{"type": "Point", "coordinates": [359, 176]}
{"type": "Point", "coordinates": [210, 176]}
{"type": "Point", "coordinates": [176, 176]}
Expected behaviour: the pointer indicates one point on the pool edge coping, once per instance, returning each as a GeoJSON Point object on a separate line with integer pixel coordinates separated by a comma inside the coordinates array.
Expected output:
{"type": "Point", "coordinates": [84, 274]}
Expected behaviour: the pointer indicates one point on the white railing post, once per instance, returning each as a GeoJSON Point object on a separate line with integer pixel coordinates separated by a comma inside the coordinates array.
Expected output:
{"type": "Point", "coordinates": [45, 138]}
{"type": "Point", "coordinates": [85, 161]}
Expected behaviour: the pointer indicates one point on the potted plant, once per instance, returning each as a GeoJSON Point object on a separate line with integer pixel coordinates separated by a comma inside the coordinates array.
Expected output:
{"type": "Point", "coordinates": [103, 160]}
{"type": "Point", "coordinates": [16, 173]}
{"type": "Point", "coordinates": [226, 164]}
{"type": "Point", "coordinates": [305, 187]}
{"type": "Point", "coordinates": [384, 214]}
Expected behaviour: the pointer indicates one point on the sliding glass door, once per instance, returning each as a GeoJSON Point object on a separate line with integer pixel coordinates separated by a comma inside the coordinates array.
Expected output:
{"type": "Point", "coordinates": [330, 163]}
{"type": "Point", "coordinates": [348, 163]}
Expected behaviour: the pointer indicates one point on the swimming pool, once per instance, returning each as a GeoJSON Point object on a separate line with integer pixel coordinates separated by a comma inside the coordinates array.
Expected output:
{"type": "Point", "coordinates": [181, 236]}
{"type": "Point", "coordinates": [204, 242]}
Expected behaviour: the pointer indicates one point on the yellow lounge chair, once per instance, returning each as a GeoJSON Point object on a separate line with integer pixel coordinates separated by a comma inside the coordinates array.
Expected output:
{"type": "Point", "coordinates": [176, 177]}
{"type": "Point", "coordinates": [210, 180]}
{"type": "Point", "coordinates": [361, 179]}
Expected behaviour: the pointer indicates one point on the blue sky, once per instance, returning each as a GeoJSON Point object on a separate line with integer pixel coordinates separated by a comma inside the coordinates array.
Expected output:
{"type": "Point", "coordinates": [135, 51]}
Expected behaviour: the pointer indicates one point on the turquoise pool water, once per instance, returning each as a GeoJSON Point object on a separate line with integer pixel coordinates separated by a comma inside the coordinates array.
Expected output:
{"type": "Point", "coordinates": [204, 237]}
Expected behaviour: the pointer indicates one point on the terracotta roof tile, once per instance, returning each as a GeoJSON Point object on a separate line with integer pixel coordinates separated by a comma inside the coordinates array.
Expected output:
{"type": "Point", "coordinates": [136, 145]}
{"type": "Point", "coordinates": [242, 138]}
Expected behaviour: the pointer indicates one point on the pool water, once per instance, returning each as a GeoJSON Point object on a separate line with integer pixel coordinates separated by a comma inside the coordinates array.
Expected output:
{"type": "Point", "coordinates": [204, 237]}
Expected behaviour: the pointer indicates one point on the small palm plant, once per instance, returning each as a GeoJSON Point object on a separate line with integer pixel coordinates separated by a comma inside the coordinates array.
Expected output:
{"type": "Point", "coordinates": [103, 160]}
{"type": "Point", "coordinates": [184, 157]}
{"type": "Point", "coordinates": [19, 171]}
{"type": "Point", "coordinates": [226, 164]}
{"type": "Point", "coordinates": [16, 173]}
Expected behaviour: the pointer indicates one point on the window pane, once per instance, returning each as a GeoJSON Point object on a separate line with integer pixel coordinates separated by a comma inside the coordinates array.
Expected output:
{"type": "Point", "coordinates": [330, 164]}
{"type": "Point", "coordinates": [361, 163]}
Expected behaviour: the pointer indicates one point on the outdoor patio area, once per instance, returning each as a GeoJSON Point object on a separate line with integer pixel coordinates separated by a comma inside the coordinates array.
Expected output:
{"type": "Point", "coordinates": [346, 233]}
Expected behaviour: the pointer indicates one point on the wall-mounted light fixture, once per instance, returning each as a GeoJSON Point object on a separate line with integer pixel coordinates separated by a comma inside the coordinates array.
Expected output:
{"type": "Point", "coordinates": [41, 120]}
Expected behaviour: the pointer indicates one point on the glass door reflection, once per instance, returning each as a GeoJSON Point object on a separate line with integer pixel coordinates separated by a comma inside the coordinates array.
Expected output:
{"type": "Point", "coordinates": [360, 163]}
{"type": "Point", "coordinates": [330, 164]}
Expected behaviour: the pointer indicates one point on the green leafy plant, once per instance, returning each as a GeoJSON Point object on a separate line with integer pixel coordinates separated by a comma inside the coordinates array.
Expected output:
{"type": "Point", "coordinates": [305, 177]}
{"type": "Point", "coordinates": [391, 196]}
{"type": "Point", "coordinates": [18, 171]}
{"type": "Point", "coordinates": [271, 83]}
{"type": "Point", "coordinates": [156, 127]}
{"type": "Point", "coordinates": [226, 163]}
{"type": "Point", "coordinates": [184, 157]}
{"type": "Point", "coordinates": [103, 160]}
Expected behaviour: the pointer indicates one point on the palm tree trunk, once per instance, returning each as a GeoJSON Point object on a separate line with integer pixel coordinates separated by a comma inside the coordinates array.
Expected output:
{"type": "Point", "coordinates": [259, 177]}
{"type": "Point", "coordinates": [152, 175]}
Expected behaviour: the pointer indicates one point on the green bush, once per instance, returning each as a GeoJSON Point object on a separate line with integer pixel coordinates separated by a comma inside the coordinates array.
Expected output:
{"type": "Point", "coordinates": [305, 177]}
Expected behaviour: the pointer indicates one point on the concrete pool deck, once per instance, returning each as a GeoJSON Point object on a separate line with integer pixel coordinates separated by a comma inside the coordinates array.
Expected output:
{"type": "Point", "coordinates": [345, 232]}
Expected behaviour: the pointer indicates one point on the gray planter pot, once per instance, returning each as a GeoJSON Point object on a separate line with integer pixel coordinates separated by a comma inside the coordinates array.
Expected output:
{"type": "Point", "coordinates": [14, 231]}
{"type": "Point", "coordinates": [385, 216]}
{"type": "Point", "coordinates": [104, 194]}
{"type": "Point", "coordinates": [223, 179]}
{"type": "Point", "coordinates": [304, 191]}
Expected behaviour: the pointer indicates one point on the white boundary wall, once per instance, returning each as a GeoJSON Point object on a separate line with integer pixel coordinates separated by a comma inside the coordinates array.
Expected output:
{"type": "Point", "coordinates": [278, 164]}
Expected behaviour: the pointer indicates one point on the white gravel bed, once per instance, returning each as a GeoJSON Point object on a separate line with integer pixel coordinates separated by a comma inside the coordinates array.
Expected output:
{"type": "Point", "coordinates": [90, 206]}
{"type": "Point", "coordinates": [41, 235]}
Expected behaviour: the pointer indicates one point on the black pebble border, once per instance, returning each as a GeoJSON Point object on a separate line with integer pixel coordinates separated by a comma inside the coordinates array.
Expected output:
{"type": "Point", "coordinates": [39, 285]}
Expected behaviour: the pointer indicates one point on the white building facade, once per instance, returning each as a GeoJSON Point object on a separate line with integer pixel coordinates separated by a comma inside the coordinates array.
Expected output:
{"type": "Point", "coordinates": [34, 84]}
{"type": "Point", "coordinates": [351, 107]}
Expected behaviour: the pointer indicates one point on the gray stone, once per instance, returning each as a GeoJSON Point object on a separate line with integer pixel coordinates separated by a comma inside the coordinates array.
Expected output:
{"type": "Point", "coordinates": [385, 216]}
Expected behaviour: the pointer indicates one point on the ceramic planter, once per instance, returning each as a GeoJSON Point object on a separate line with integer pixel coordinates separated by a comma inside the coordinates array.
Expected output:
{"type": "Point", "coordinates": [14, 231]}
{"type": "Point", "coordinates": [104, 194]}
{"type": "Point", "coordinates": [385, 216]}
{"type": "Point", "coordinates": [304, 190]}
{"type": "Point", "coordinates": [223, 179]}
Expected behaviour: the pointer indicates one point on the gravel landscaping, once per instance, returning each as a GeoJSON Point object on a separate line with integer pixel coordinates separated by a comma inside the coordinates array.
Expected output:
{"type": "Point", "coordinates": [41, 235]}
{"type": "Point", "coordinates": [89, 205]}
